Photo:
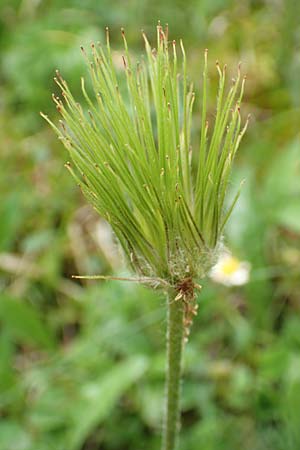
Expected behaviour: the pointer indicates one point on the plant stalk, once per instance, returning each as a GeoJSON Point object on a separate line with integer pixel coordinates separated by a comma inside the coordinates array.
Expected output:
{"type": "Point", "coordinates": [175, 332]}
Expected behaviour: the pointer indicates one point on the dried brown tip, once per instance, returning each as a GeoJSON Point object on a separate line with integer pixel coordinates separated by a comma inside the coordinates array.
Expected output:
{"type": "Point", "coordinates": [107, 35]}
{"type": "Point", "coordinates": [167, 31]}
{"type": "Point", "coordinates": [123, 31]}
{"type": "Point", "coordinates": [58, 75]}
{"type": "Point", "coordinates": [56, 100]}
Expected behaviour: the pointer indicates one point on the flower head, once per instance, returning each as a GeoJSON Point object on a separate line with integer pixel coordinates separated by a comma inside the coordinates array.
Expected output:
{"type": "Point", "coordinates": [230, 271]}
{"type": "Point", "coordinates": [132, 156]}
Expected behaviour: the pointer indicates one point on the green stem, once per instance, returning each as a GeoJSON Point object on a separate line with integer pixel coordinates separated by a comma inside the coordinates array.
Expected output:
{"type": "Point", "coordinates": [173, 375]}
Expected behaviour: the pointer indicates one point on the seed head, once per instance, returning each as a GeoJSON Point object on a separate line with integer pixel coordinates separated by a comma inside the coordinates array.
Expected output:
{"type": "Point", "coordinates": [135, 153]}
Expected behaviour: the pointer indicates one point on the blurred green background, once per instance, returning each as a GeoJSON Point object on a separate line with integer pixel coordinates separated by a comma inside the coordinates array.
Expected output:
{"type": "Point", "coordinates": [82, 364]}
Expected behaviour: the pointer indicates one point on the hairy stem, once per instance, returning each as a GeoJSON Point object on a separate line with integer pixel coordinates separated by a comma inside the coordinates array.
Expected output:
{"type": "Point", "coordinates": [173, 375]}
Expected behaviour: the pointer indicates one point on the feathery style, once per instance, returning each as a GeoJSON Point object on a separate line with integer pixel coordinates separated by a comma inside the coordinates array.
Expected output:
{"type": "Point", "coordinates": [132, 156]}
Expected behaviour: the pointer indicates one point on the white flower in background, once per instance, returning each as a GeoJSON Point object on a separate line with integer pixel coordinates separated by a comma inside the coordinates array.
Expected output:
{"type": "Point", "coordinates": [230, 271]}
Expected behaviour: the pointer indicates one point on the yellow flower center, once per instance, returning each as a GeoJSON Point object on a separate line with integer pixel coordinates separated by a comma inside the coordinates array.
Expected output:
{"type": "Point", "coordinates": [230, 265]}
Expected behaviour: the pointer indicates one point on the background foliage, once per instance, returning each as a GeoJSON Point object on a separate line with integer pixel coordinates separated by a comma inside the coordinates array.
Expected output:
{"type": "Point", "coordinates": [82, 364]}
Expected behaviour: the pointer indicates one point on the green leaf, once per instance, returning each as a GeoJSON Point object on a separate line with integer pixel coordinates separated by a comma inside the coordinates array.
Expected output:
{"type": "Point", "coordinates": [12, 214]}
{"type": "Point", "coordinates": [99, 397]}
{"type": "Point", "coordinates": [24, 323]}
{"type": "Point", "coordinates": [291, 401]}
{"type": "Point", "coordinates": [6, 366]}
{"type": "Point", "coordinates": [13, 436]}
{"type": "Point", "coordinates": [283, 188]}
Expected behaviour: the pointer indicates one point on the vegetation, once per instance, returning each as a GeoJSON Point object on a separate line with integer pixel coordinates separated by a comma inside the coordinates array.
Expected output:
{"type": "Point", "coordinates": [168, 221]}
{"type": "Point", "coordinates": [82, 362]}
